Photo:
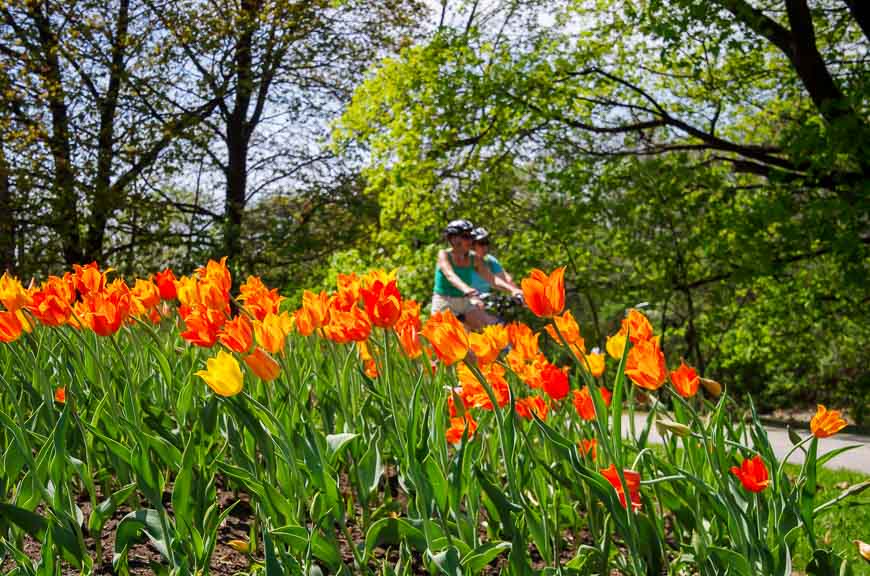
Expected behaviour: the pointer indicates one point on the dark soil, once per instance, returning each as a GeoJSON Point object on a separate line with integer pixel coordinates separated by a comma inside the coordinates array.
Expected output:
{"type": "Point", "coordinates": [226, 561]}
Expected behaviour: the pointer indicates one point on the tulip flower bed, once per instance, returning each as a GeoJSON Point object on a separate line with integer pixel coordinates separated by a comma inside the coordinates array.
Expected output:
{"type": "Point", "coordinates": [170, 426]}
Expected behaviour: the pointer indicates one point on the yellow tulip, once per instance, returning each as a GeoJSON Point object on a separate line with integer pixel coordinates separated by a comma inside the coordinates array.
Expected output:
{"type": "Point", "coordinates": [615, 345]}
{"type": "Point", "coordinates": [223, 374]}
{"type": "Point", "coordinates": [242, 546]}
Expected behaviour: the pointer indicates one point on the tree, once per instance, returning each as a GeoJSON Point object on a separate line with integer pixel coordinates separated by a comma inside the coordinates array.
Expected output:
{"type": "Point", "coordinates": [674, 153]}
{"type": "Point", "coordinates": [290, 67]}
{"type": "Point", "coordinates": [89, 97]}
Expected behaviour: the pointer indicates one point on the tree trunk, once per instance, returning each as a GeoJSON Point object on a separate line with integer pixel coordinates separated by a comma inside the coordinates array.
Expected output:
{"type": "Point", "coordinates": [238, 135]}
{"type": "Point", "coordinates": [7, 217]}
{"type": "Point", "coordinates": [65, 219]}
{"type": "Point", "coordinates": [105, 202]}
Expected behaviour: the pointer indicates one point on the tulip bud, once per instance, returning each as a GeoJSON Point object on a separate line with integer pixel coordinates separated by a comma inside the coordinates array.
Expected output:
{"type": "Point", "coordinates": [712, 387]}
{"type": "Point", "coordinates": [681, 430]}
{"type": "Point", "coordinates": [242, 546]}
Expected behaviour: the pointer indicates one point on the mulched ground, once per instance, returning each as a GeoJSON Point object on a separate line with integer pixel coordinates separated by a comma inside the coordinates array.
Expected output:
{"type": "Point", "coordinates": [226, 561]}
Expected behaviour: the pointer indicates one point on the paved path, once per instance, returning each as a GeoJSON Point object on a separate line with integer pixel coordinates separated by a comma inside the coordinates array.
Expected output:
{"type": "Point", "coordinates": [857, 459]}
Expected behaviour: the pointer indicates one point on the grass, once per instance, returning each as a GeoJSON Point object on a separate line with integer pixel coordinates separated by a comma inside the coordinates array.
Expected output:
{"type": "Point", "coordinates": [839, 526]}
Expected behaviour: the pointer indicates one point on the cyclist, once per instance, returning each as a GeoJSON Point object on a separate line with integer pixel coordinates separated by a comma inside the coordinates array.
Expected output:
{"type": "Point", "coordinates": [480, 246]}
{"type": "Point", "coordinates": [453, 270]}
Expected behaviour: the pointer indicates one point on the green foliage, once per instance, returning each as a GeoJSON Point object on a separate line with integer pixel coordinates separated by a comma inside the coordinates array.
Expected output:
{"type": "Point", "coordinates": [666, 153]}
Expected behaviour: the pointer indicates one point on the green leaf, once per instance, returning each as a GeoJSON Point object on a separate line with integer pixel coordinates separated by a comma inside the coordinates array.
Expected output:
{"type": "Point", "coordinates": [848, 492]}
{"type": "Point", "coordinates": [133, 526]}
{"type": "Point", "coordinates": [107, 508]}
{"type": "Point", "coordinates": [732, 560]}
{"type": "Point", "coordinates": [480, 557]}
{"type": "Point", "coordinates": [297, 537]}
{"type": "Point", "coordinates": [31, 522]}
{"type": "Point", "coordinates": [273, 566]}
{"type": "Point", "coordinates": [793, 436]}
{"type": "Point", "coordinates": [336, 443]}
{"type": "Point", "coordinates": [585, 554]}
{"type": "Point", "coordinates": [650, 543]}
{"type": "Point", "coordinates": [369, 468]}
{"type": "Point", "coordinates": [447, 561]}
{"type": "Point", "coordinates": [808, 491]}
{"type": "Point", "coordinates": [827, 456]}
{"type": "Point", "coordinates": [114, 447]}
{"type": "Point", "coordinates": [183, 498]}
{"type": "Point", "coordinates": [391, 531]}
{"type": "Point", "coordinates": [437, 482]}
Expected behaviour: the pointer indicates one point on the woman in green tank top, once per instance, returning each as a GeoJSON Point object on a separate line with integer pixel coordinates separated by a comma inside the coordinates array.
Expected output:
{"type": "Point", "coordinates": [453, 273]}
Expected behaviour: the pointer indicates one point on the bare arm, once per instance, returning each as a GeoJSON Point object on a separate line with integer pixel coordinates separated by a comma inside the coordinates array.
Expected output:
{"type": "Point", "coordinates": [450, 274]}
{"type": "Point", "coordinates": [506, 278]}
{"type": "Point", "coordinates": [494, 280]}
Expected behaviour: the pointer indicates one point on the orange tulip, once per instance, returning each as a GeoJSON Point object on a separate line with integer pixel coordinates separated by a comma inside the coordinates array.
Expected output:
{"type": "Point", "coordinates": [645, 364]}
{"type": "Point", "coordinates": [632, 482]}
{"type": "Point", "coordinates": [408, 329]}
{"type": "Point", "coordinates": [218, 274]}
{"type": "Point", "coordinates": [187, 291]}
{"type": "Point", "coordinates": [351, 326]}
{"type": "Point", "coordinates": [89, 279]}
{"type": "Point", "coordinates": [589, 448]}
{"type": "Point", "coordinates": [826, 423]}
{"type": "Point", "coordinates": [377, 275]}
{"type": "Point", "coordinates": [529, 405]}
{"type": "Point", "coordinates": [382, 302]}
{"type": "Point", "coordinates": [473, 393]}
{"type": "Point", "coordinates": [145, 296]}
{"type": "Point", "coordinates": [104, 313]}
{"type": "Point", "coordinates": [13, 296]}
{"type": "Point", "coordinates": [258, 299]}
{"type": "Point", "coordinates": [264, 366]}
{"type": "Point", "coordinates": [529, 372]}
{"type": "Point", "coordinates": [637, 326]}
{"type": "Point", "coordinates": [347, 295]}
{"type": "Point", "coordinates": [313, 314]}
{"type": "Point", "coordinates": [685, 380]}
{"type": "Point", "coordinates": [370, 366]}
{"type": "Point", "coordinates": [50, 305]}
{"type": "Point", "coordinates": [60, 395]}
{"type": "Point", "coordinates": [457, 428]}
{"type": "Point", "coordinates": [570, 331]}
{"type": "Point", "coordinates": [545, 295]}
{"type": "Point", "coordinates": [237, 334]}
{"type": "Point", "coordinates": [555, 382]}
{"type": "Point", "coordinates": [213, 295]}
{"type": "Point", "coordinates": [271, 332]}
{"type": "Point", "coordinates": [251, 287]}
{"type": "Point", "coordinates": [10, 327]}
{"type": "Point", "coordinates": [447, 336]}
{"type": "Point", "coordinates": [523, 340]}
{"type": "Point", "coordinates": [203, 325]}
{"type": "Point", "coordinates": [712, 387]}
{"type": "Point", "coordinates": [585, 406]}
{"type": "Point", "coordinates": [487, 345]}
{"type": "Point", "coordinates": [166, 284]}
{"type": "Point", "coordinates": [752, 474]}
